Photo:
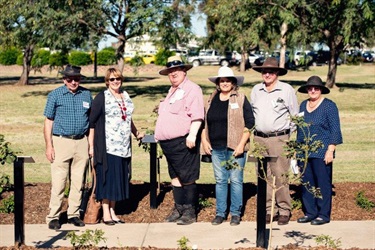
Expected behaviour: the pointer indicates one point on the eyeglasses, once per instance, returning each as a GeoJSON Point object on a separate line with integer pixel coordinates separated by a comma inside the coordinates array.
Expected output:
{"type": "Point", "coordinates": [268, 72]}
{"type": "Point", "coordinates": [69, 80]}
{"type": "Point", "coordinates": [311, 88]}
{"type": "Point", "coordinates": [174, 63]}
{"type": "Point", "coordinates": [117, 79]}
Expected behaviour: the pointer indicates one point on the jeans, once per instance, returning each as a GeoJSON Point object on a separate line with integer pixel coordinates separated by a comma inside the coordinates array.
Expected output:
{"type": "Point", "coordinates": [236, 181]}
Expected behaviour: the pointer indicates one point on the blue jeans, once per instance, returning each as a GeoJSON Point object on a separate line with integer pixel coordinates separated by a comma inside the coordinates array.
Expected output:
{"type": "Point", "coordinates": [236, 181]}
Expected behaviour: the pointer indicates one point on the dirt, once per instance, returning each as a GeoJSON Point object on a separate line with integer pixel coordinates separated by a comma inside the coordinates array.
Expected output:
{"type": "Point", "coordinates": [137, 208]}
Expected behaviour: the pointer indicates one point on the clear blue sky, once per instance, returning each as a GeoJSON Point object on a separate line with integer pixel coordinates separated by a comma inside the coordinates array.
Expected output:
{"type": "Point", "coordinates": [198, 23]}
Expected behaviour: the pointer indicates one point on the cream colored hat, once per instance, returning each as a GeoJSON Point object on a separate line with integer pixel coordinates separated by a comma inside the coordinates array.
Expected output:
{"type": "Point", "coordinates": [226, 72]}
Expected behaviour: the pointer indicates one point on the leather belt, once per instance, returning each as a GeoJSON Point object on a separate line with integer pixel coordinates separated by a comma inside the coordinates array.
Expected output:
{"type": "Point", "coordinates": [72, 137]}
{"type": "Point", "coordinates": [274, 134]}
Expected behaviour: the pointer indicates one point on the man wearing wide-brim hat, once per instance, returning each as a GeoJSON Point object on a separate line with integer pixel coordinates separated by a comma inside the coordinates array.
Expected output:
{"type": "Point", "coordinates": [66, 127]}
{"type": "Point", "coordinates": [274, 102]}
{"type": "Point", "coordinates": [180, 116]}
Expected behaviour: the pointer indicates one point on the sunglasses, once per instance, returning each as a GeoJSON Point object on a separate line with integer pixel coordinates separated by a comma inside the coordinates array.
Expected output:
{"type": "Point", "coordinates": [117, 79]}
{"type": "Point", "coordinates": [268, 72]}
{"type": "Point", "coordinates": [311, 88]}
{"type": "Point", "coordinates": [174, 63]}
{"type": "Point", "coordinates": [69, 80]}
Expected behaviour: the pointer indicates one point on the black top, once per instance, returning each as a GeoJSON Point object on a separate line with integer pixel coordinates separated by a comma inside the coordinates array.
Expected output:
{"type": "Point", "coordinates": [217, 120]}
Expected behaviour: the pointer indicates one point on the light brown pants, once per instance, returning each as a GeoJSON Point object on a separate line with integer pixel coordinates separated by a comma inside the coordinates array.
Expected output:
{"type": "Point", "coordinates": [71, 158]}
{"type": "Point", "coordinates": [274, 147]}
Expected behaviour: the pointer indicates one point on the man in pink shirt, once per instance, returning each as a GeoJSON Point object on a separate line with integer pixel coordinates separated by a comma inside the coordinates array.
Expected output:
{"type": "Point", "coordinates": [180, 118]}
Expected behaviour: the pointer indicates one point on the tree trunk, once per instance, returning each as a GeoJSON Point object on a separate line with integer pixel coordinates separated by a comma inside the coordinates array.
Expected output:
{"type": "Point", "coordinates": [120, 55]}
{"type": "Point", "coordinates": [332, 69]}
{"type": "Point", "coordinates": [243, 60]}
{"type": "Point", "coordinates": [284, 30]}
{"type": "Point", "coordinates": [26, 65]}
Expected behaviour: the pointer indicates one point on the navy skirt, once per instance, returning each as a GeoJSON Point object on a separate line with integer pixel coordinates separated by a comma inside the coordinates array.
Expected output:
{"type": "Point", "coordinates": [115, 185]}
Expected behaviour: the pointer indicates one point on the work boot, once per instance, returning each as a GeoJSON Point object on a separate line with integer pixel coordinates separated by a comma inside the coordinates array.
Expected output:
{"type": "Point", "coordinates": [175, 214]}
{"type": "Point", "coordinates": [188, 215]}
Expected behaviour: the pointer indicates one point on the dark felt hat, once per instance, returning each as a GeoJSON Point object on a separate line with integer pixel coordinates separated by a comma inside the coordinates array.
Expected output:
{"type": "Point", "coordinates": [315, 81]}
{"type": "Point", "coordinates": [174, 62]}
{"type": "Point", "coordinates": [71, 71]}
{"type": "Point", "coordinates": [271, 63]}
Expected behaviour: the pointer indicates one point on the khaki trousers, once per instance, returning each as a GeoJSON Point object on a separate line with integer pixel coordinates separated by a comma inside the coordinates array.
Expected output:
{"type": "Point", "coordinates": [71, 158]}
{"type": "Point", "coordinates": [274, 147]}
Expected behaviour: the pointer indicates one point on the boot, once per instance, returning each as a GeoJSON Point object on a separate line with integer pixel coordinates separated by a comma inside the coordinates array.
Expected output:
{"type": "Point", "coordinates": [188, 215]}
{"type": "Point", "coordinates": [175, 214]}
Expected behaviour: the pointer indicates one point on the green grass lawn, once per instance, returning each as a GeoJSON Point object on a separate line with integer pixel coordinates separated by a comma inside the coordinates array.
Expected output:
{"type": "Point", "coordinates": [21, 118]}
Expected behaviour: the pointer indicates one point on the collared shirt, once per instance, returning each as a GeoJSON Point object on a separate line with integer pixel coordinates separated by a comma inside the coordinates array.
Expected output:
{"type": "Point", "coordinates": [178, 110]}
{"type": "Point", "coordinates": [272, 110]}
{"type": "Point", "coordinates": [69, 111]}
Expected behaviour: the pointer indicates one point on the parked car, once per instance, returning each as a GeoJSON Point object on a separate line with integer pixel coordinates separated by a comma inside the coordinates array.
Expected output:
{"type": "Point", "coordinates": [256, 59]}
{"type": "Point", "coordinates": [322, 57]}
{"type": "Point", "coordinates": [301, 55]}
{"type": "Point", "coordinates": [148, 59]}
{"type": "Point", "coordinates": [367, 57]}
{"type": "Point", "coordinates": [288, 63]}
{"type": "Point", "coordinates": [212, 57]}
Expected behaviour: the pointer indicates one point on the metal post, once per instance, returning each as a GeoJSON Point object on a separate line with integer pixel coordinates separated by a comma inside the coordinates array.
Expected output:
{"type": "Point", "coordinates": [19, 196]}
{"type": "Point", "coordinates": [153, 184]}
{"type": "Point", "coordinates": [261, 197]}
{"type": "Point", "coordinates": [261, 203]}
{"type": "Point", "coordinates": [153, 169]}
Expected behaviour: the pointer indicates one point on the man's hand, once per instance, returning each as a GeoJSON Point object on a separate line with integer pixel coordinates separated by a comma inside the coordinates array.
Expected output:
{"type": "Point", "coordinates": [50, 154]}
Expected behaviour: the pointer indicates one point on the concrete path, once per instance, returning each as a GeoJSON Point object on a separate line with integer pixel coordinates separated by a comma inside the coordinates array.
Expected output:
{"type": "Point", "coordinates": [345, 234]}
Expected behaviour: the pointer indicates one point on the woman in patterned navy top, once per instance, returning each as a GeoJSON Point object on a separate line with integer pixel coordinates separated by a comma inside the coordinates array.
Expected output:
{"type": "Point", "coordinates": [323, 116]}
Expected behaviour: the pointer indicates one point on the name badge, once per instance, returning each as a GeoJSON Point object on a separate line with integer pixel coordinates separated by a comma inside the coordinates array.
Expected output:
{"type": "Point", "coordinates": [234, 105]}
{"type": "Point", "coordinates": [86, 105]}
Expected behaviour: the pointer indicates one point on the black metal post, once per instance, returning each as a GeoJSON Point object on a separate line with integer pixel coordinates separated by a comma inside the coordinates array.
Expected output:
{"type": "Point", "coordinates": [19, 220]}
{"type": "Point", "coordinates": [153, 183]}
{"type": "Point", "coordinates": [153, 169]}
{"type": "Point", "coordinates": [261, 203]}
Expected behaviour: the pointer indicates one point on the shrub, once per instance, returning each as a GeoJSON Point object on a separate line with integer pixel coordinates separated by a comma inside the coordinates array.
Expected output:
{"type": "Point", "coordinates": [58, 59]}
{"type": "Point", "coordinates": [162, 56]}
{"type": "Point", "coordinates": [7, 155]}
{"type": "Point", "coordinates": [19, 59]}
{"type": "Point", "coordinates": [79, 58]}
{"type": "Point", "coordinates": [4, 183]}
{"type": "Point", "coordinates": [41, 58]}
{"type": "Point", "coordinates": [363, 202]}
{"type": "Point", "coordinates": [106, 57]}
{"type": "Point", "coordinates": [87, 239]}
{"type": "Point", "coordinates": [9, 56]}
{"type": "Point", "coordinates": [7, 205]}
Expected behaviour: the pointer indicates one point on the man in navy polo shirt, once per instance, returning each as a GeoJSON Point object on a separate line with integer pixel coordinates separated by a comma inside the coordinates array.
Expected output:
{"type": "Point", "coordinates": [65, 134]}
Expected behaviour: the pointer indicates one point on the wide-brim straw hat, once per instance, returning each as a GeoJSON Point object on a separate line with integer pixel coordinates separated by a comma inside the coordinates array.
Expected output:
{"type": "Point", "coordinates": [315, 81]}
{"type": "Point", "coordinates": [71, 71]}
{"type": "Point", "coordinates": [174, 62]}
{"type": "Point", "coordinates": [226, 72]}
{"type": "Point", "coordinates": [271, 63]}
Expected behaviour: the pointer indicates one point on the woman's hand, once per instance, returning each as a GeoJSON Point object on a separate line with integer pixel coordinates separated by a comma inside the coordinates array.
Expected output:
{"type": "Point", "coordinates": [206, 147]}
{"type": "Point", "coordinates": [238, 151]}
{"type": "Point", "coordinates": [328, 158]}
{"type": "Point", "coordinates": [140, 135]}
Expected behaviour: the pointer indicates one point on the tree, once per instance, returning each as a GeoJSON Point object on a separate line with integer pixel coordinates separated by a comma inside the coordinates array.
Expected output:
{"type": "Point", "coordinates": [31, 24]}
{"type": "Point", "coordinates": [339, 24]}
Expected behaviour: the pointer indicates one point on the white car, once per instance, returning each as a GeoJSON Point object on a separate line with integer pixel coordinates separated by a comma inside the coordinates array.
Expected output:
{"type": "Point", "coordinates": [299, 54]}
{"type": "Point", "coordinates": [253, 57]}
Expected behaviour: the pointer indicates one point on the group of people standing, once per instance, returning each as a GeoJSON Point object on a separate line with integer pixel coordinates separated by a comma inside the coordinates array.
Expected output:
{"type": "Point", "coordinates": [77, 127]}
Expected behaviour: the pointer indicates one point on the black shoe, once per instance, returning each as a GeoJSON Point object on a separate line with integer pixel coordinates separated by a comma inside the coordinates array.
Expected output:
{"type": "Point", "coordinates": [109, 223]}
{"type": "Point", "coordinates": [54, 224]}
{"type": "Point", "coordinates": [304, 219]}
{"type": "Point", "coordinates": [76, 222]}
{"type": "Point", "coordinates": [235, 220]}
{"type": "Point", "coordinates": [217, 221]}
{"type": "Point", "coordinates": [188, 215]}
{"type": "Point", "coordinates": [268, 218]}
{"type": "Point", "coordinates": [283, 220]}
{"type": "Point", "coordinates": [119, 221]}
{"type": "Point", "coordinates": [318, 221]}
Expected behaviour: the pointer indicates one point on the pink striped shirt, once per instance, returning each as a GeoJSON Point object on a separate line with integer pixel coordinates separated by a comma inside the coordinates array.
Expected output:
{"type": "Point", "coordinates": [178, 110]}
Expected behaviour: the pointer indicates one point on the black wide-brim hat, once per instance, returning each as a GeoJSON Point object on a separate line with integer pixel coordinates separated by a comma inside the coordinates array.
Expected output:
{"type": "Point", "coordinates": [71, 71]}
{"type": "Point", "coordinates": [315, 81]}
{"type": "Point", "coordinates": [271, 63]}
{"type": "Point", "coordinates": [174, 62]}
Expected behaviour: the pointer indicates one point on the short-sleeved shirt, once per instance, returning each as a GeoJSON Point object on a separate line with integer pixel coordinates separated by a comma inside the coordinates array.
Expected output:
{"type": "Point", "coordinates": [178, 110]}
{"type": "Point", "coordinates": [272, 110]}
{"type": "Point", "coordinates": [69, 111]}
{"type": "Point", "coordinates": [325, 126]}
